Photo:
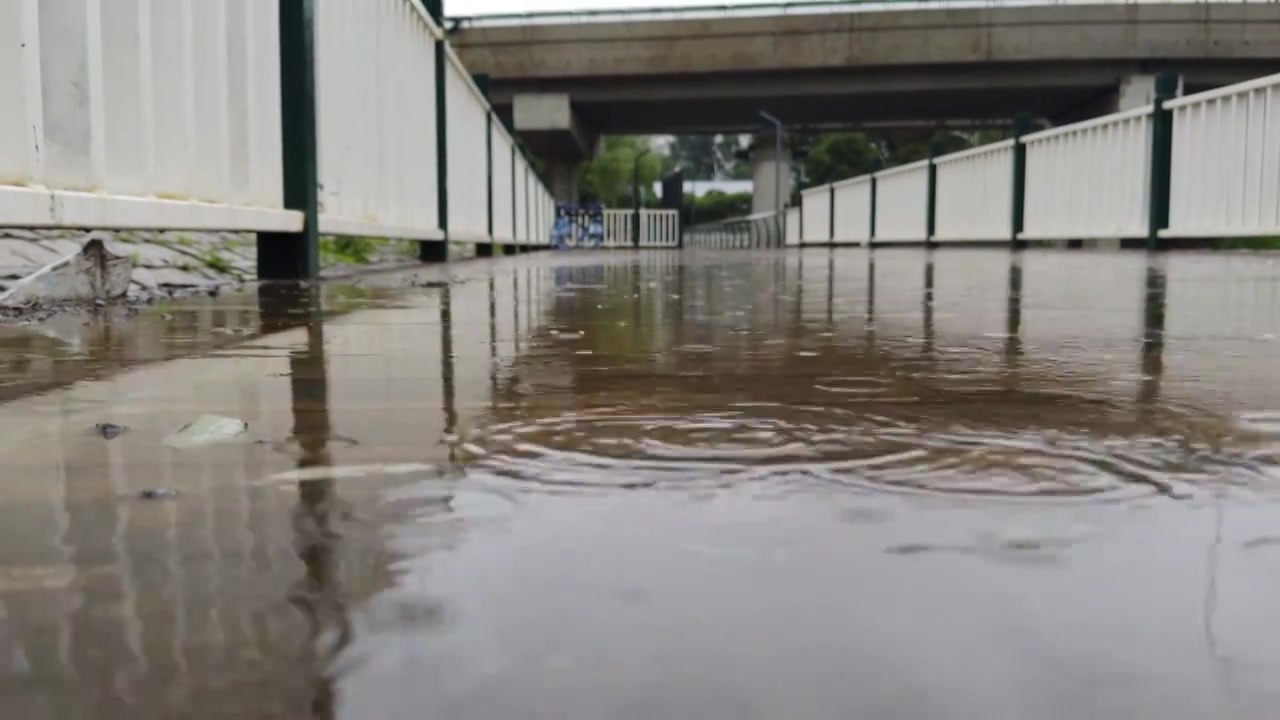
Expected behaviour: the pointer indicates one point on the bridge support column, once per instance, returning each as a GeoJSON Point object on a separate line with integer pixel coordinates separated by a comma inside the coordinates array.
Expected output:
{"type": "Point", "coordinates": [1138, 90]}
{"type": "Point", "coordinates": [767, 169]}
{"type": "Point", "coordinates": [563, 177]}
{"type": "Point", "coordinates": [548, 126]}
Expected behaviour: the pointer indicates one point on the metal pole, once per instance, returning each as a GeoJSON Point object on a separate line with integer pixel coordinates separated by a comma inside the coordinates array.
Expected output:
{"type": "Point", "coordinates": [635, 198]}
{"type": "Point", "coordinates": [777, 159]}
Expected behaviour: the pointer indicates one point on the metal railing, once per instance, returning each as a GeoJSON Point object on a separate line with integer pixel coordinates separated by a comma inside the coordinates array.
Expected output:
{"type": "Point", "coordinates": [289, 119]}
{"type": "Point", "coordinates": [1201, 166]}
{"type": "Point", "coordinates": [711, 11]}
{"type": "Point", "coordinates": [764, 230]}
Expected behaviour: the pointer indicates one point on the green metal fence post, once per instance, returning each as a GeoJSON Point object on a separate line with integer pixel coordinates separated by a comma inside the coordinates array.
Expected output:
{"type": "Point", "coordinates": [876, 165]}
{"type": "Point", "coordinates": [800, 220]}
{"type": "Point", "coordinates": [831, 214]}
{"type": "Point", "coordinates": [1161, 158]}
{"type": "Point", "coordinates": [931, 213]}
{"type": "Point", "coordinates": [296, 255]}
{"type": "Point", "coordinates": [1021, 126]}
{"type": "Point", "coordinates": [439, 251]}
{"type": "Point", "coordinates": [482, 82]}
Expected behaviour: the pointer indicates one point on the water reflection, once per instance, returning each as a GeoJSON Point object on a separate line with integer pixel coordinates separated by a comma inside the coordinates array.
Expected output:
{"type": "Point", "coordinates": [660, 484]}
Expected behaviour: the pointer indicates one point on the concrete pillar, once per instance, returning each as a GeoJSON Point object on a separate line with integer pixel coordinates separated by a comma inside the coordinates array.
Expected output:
{"type": "Point", "coordinates": [765, 170]}
{"type": "Point", "coordinates": [563, 176]}
{"type": "Point", "coordinates": [1136, 91]}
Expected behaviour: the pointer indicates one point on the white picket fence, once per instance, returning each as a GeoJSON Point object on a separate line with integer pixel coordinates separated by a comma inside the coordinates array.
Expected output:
{"type": "Point", "coordinates": [1087, 180]}
{"type": "Point", "coordinates": [167, 114]}
{"type": "Point", "coordinates": [658, 228]}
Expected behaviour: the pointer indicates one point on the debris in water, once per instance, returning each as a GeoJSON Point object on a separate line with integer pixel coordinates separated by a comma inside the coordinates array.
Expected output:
{"type": "Point", "coordinates": [109, 431]}
{"type": "Point", "coordinates": [208, 430]}
{"type": "Point", "coordinates": [158, 494]}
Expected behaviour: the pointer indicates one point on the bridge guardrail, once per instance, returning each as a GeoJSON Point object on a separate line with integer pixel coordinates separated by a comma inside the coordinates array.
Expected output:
{"type": "Point", "coordinates": [1202, 166]}
{"type": "Point", "coordinates": [764, 230]}
{"type": "Point", "coordinates": [285, 119]}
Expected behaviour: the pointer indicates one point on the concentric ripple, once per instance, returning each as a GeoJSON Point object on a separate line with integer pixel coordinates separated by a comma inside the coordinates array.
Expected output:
{"type": "Point", "coordinates": [770, 443]}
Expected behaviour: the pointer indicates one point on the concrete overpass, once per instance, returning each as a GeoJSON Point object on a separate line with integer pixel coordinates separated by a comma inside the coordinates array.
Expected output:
{"type": "Point", "coordinates": [564, 79]}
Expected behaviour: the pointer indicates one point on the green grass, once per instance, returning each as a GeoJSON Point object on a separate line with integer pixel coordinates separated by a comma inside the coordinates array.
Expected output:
{"type": "Point", "coordinates": [347, 250]}
{"type": "Point", "coordinates": [1258, 243]}
{"type": "Point", "coordinates": [218, 263]}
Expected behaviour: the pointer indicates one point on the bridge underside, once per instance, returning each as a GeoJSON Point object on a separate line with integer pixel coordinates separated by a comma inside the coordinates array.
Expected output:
{"type": "Point", "coordinates": [958, 95]}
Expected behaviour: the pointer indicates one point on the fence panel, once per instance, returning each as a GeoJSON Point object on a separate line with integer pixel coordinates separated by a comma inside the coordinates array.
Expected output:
{"type": "Point", "coordinates": [815, 215]}
{"type": "Point", "coordinates": [853, 210]}
{"type": "Point", "coordinates": [504, 211]}
{"type": "Point", "coordinates": [974, 198]}
{"type": "Point", "coordinates": [522, 200]}
{"type": "Point", "coordinates": [902, 203]}
{"type": "Point", "coordinates": [466, 111]}
{"type": "Point", "coordinates": [617, 228]}
{"type": "Point", "coordinates": [791, 226]}
{"type": "Point", "coordinates": [1090, 179]}
{"type": "Point", "coordinates": [1226, 162]}
{"type": "Point", "coordinates": [143, 115]}
{"type": "Point", "coordinates": [377, 120]}
{"type": "Point", "coordinates": [659, 228]}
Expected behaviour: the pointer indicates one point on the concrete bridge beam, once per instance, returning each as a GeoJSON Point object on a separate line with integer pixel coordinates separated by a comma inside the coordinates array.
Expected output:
{"type": "Point", "coordinates": [549, 126]}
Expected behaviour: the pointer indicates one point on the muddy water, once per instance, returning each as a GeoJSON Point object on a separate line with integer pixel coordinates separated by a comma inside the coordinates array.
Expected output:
{"type": "Point", "coordinates": [803, 485]}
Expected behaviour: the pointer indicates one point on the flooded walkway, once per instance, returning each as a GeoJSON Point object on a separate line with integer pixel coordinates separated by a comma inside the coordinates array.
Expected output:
{"type": "Point", "coordinates": [722, 485]}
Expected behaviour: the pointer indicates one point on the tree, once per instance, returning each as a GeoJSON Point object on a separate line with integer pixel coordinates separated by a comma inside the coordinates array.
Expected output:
{"type": "Point", "coordinates": [694, 155]}
{"type": "Point", "coordinates": [607, 178]}
{"type": "Point", "coordinates": [716, 205]}
{"type": "Point", "coordinates": [733, 168]}
{"type": "Point", "coordinates": [836, 156]}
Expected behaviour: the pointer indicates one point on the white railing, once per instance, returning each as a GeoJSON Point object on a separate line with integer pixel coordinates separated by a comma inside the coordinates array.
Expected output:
{"type": "Point", "coordinates": [658, 228]}
{"type": "Point", "coordinates": [504, 166]}
{"type": "Point", "coordinates": [973, 196]}
{"type": "Point", "coordinates": [852, 200]}
{"type": "Point", "coordinates": [1089, 179]}
{"type": "Point", "coordinates": [815, 215]}
{"type": "Point", "coordinates": [902, 203]}
{"type": "Point", "coordinates": [522, 200]}
{"type": "Point", "coordinates": [791, 226]}
{"type": "Point", "coordinates": [466, 117]}
{"type": "Point", "coordinates": [1225, 178]}
{"type": "Point", "coordinates": [376, 119]}
{"type": "Point", "coordinates": [159, 115]}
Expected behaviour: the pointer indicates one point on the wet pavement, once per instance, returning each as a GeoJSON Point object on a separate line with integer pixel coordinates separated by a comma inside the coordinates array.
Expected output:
{"type": "Point", "coordinates": [718, 485]}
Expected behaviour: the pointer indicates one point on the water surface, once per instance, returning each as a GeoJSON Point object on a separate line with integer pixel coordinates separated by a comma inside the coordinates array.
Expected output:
{"type": "Point", "coordinates": [900, 484]}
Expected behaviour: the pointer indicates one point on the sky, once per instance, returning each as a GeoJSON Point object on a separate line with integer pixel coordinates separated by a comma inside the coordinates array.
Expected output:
{"type": "Point", "coordinates": [457, 8]}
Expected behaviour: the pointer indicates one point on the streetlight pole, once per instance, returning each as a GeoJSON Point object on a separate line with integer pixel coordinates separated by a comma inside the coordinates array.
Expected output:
{"type": "Point", "coordinates": [635, 197]}
{"type": "Point", "coordinates": [777, 159]}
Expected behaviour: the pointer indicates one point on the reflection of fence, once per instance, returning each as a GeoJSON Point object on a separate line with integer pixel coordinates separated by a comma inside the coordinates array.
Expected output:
{"type": "Point", "coordinates": [1207, 165]}
{"type": "Point", "coordinates": [258, 117]}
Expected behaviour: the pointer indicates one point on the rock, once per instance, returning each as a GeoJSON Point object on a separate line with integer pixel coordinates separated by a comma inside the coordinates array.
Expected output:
{"type": "Point", "coordinates": [158, 494]}
{"type": "Point", "coordinates": [110, 431]}
{"type": "Point", "coordinates": [91, 274]}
